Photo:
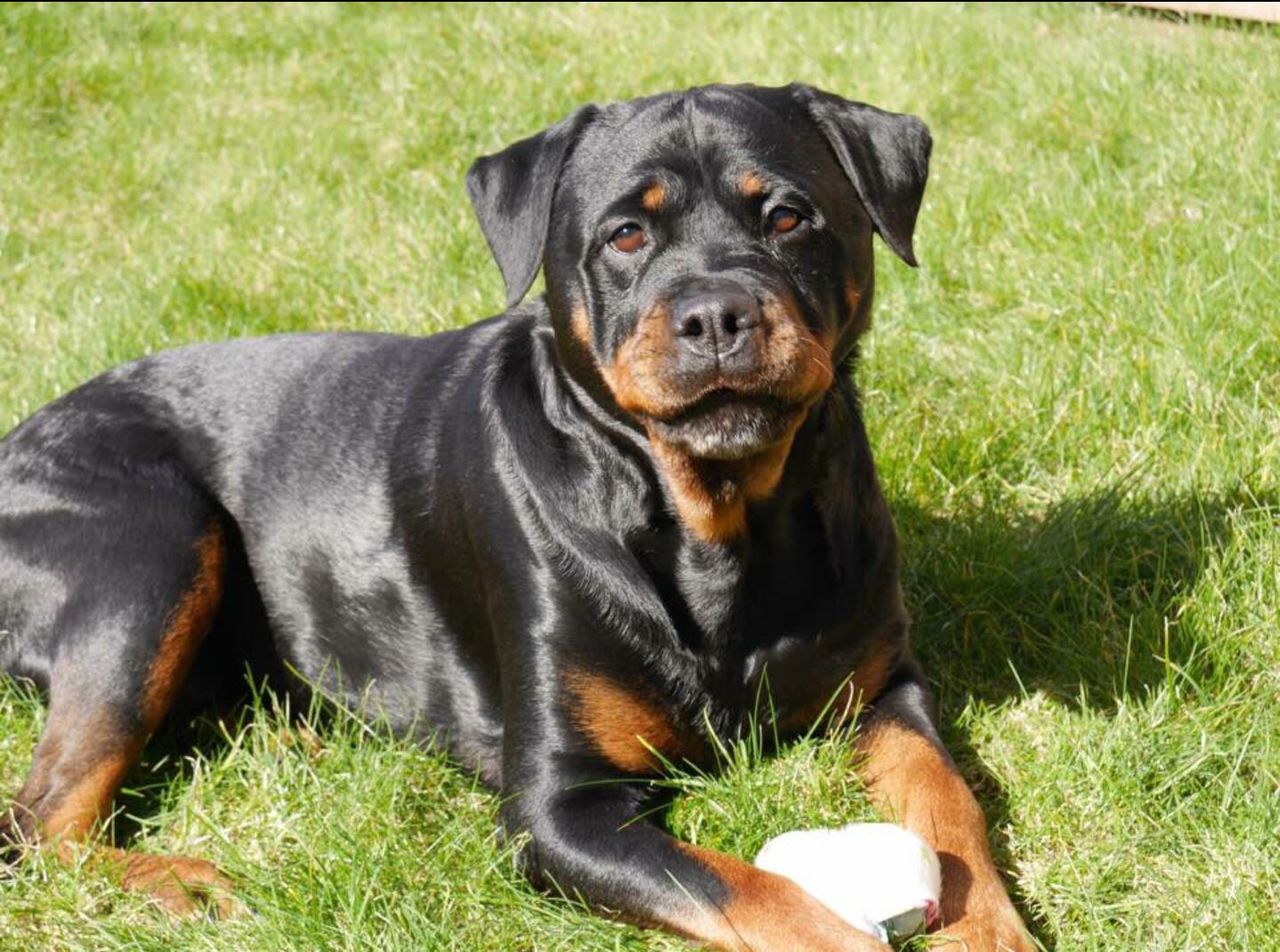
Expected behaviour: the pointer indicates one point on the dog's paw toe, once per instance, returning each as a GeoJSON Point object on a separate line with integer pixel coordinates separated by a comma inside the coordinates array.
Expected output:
{"type": "Point", "coordinates": [185, 888]}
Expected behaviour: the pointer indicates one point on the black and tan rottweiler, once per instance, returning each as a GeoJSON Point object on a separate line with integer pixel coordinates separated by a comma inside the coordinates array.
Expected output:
{"type": "Point", "coordinates": [566, 543]}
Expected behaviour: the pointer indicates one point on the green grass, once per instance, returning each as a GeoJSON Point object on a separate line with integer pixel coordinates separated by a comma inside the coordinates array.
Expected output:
{"type": "Point", "coordinates": [1074, 403]}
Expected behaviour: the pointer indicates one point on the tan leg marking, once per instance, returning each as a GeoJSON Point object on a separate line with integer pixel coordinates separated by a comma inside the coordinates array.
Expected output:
{"type": "Point", "coordinates": [87, 801]}
{"type": "Point", "coordinates": [768, 913]}
{"type": "Point", "coordinates": [187, 626]}
{"type": "Point", "coordinates": [181, 886]}
{"type": "Point", "coordinates": [912, 781]}
{"type": "Point", "coordinates": [98, 752]}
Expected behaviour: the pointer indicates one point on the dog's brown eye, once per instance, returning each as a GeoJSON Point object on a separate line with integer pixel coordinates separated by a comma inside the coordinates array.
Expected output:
{"type": "Point", "coordinates": [783, 219]}
{"type": "Point", "coordinates": [628, 239]}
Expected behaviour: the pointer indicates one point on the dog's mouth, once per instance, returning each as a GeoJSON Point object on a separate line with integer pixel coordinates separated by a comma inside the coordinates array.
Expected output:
{"type": "Point", "coordinates": [726, 424]}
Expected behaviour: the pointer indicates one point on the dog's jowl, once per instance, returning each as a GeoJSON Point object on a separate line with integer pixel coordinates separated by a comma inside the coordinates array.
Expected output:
{"type": "Point", "coordinates": [570, 543]}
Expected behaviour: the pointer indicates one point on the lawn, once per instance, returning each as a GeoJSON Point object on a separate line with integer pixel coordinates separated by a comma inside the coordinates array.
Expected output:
{"type": "Point", "coordinates": [1073, 402]}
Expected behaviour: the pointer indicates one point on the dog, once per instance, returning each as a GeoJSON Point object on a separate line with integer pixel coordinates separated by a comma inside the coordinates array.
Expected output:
{"type": "Point", "coordinates": [567, 544]}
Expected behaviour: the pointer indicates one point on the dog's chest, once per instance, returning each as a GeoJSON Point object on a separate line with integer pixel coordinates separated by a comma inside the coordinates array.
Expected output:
{"type": "Point", "coordinates": [781, 640]}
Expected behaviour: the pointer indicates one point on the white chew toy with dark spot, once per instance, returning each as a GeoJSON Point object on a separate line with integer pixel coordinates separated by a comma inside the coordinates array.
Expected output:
{"type": "Point", "coordinates": [878, 877]}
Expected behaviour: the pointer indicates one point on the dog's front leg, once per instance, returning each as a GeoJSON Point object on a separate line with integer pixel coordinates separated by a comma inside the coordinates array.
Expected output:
{"type": "Point", "coordinates": [590, 840]}
{"type": "Point", "coordinates": [913, 779]}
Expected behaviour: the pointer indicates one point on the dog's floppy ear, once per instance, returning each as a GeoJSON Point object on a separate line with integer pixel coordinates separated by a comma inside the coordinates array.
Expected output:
{"type": "Point", "coordinates": [884, 154]}
{"type": "Point", "coordinates": [511, 193]}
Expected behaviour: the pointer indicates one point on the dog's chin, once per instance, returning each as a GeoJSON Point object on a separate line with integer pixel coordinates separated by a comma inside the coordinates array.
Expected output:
{"type": "Point", "coordinates": [726, 425]}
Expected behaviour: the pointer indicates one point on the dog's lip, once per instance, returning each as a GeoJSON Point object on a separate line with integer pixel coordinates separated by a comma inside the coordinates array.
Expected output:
{"type": "Point", "coordinates": [720, 398]}
{"type": "Point", "coordinates": [725, 424]}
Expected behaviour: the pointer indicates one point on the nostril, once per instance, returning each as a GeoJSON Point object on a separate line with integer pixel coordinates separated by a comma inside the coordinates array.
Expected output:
{"type": "Point", "coordinates": [713, 318]}
{"type": "Point", "coordinates": [691, 327]}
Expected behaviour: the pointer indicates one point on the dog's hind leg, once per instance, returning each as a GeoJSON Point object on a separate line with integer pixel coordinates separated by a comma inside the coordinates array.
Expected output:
{"type": "Point", "coordinates": [128, 626]}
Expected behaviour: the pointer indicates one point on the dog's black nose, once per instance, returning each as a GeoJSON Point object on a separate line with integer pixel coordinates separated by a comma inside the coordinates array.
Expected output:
{"type": "Point", "coordinates": [713, 321]}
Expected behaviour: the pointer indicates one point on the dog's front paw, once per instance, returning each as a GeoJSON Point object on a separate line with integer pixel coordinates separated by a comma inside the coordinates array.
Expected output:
{"type": "Point", "coordinates": [990, 925]}
{"type": "Point", "coordinates": [183, 887]}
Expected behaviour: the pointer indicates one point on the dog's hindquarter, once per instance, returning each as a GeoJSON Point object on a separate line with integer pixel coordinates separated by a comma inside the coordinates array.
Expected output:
{"type": "Point", "coordinates": [334, 463]}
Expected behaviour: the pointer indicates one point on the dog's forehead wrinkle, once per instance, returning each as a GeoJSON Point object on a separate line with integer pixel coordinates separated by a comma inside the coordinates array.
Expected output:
{"type": "Point", "coordinates": [690, 122]}
{"type": "Point", "coordinates": [738, 115]}
{"type": "Point", "coordinates": [617, 158]}
{"type": "Point", "coordinates": [630, 128]}
{"type": "Point", "coordinates": [700, 141]}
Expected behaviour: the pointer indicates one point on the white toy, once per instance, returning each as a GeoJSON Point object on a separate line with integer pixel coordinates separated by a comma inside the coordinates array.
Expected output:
{"type": "Point", "coordinates": [878, 877]}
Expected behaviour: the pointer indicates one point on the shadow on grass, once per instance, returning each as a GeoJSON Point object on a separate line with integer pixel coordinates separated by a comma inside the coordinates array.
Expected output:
{"type": "Point", "coordinates": [1084, 602]}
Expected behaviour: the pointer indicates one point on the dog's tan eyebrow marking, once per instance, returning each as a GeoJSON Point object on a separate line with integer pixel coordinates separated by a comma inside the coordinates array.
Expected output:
{"type": "Point", "coordinates": [751, 184]}
{"type": "Point", "coordinates": [654, 197]}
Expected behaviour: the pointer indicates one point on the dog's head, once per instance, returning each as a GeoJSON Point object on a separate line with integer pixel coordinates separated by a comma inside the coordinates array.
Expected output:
{"type": "Point", "coordinates": [708, 254]}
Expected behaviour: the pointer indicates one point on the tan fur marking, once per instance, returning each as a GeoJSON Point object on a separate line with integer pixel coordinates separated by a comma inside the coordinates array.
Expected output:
{"type": "Point", "coordinates": [714, 510]}
{"type": "Point", "coordinates": [872, 673]}
{"type": "Point", "coordinates": [86, 802]}
{"type": "Point", "coordinates": [635, 376]}
{"type": "Point", "coordinates": [180, 885]}
{"type": "Point", "coordinates": [76, 808]}
{"type": "Point", "coordinates": [762, 473]}
{"type": "Point", "coordinates": [94, 749]}
{"type": "Point", "coordinates": [625, 727]}
{"type": "Point", "coordinates": [798, 365]}
{"type": "Point", "coordinates": [711, 496]}
{"type": "Point", "coordinates": [910, 779]}
{"type": "Point", "coordinates": [580, 325]}
{"type": "Point", "coordinates": [654, 197]}
{"type": "Point", "coordinates": [767, 913]}
{"type": "Point", "coordinates": [188, 624]}
{"type": "Point", "coordinates": [751, 185]}
{"type": "Point", "coordinates": [852, 295]}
